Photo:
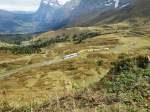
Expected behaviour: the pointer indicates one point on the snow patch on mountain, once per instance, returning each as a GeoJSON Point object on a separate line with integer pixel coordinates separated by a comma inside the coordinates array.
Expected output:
{"type": "Point", "coordinates": [108, 4]}
{"type": "Point", "coordinates": [63, 2]}
{"type": "Point", "coordinates": [46, 1]}
{"type": "Point", "coordinates": [123, 6]}
{"type": "Point", "coordinates": [55, 2]}
{"type": "Point", "coordinates": [116, 3]}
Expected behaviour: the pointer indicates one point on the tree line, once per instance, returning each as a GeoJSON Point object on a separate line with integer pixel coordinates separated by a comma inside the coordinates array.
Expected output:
{"type": "Point", "coordinates": [35, 47]}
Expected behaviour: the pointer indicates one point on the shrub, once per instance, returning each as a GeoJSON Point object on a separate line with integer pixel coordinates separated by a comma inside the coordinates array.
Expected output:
{"type": "Point", "coordinates": [122, 65]}
{"type": "Point", "coordinates": [142, 61]}
{"type": "Point", "coordinates": [126, 64]}
{"type": "Point", "coordinates": [99, 62]}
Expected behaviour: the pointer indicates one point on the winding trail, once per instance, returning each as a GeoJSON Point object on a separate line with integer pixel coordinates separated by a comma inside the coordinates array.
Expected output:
{"type": "Point", "coordinates": [29, 67]}
{"type": "Point", "coordinates": [37, 65]}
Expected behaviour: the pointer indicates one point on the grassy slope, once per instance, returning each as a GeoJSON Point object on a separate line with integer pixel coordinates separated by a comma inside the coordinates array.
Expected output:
{"type": "Point", "coordinates": [46, 83]}
{"type": "Point", "coordinates": [128, 92]}
{"type": "Point", "coordinates": [50, 81]}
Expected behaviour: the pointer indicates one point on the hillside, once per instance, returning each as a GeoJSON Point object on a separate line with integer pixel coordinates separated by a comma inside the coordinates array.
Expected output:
{"type": "Point", "coordinates": [51, 15]}
{"type": "Point", "coordinates": [101, 67]}
{"type": "Point", "coordinates": [11, 22]}
{"type": "Point", "coordinates": [38, 78]}
{"type": "Point", "coordinates": [134, 14]}
{"type": "Point", "coordinates": [90, 12]}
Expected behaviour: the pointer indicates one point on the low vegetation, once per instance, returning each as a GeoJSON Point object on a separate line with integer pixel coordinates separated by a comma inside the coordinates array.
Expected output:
{"type": "Point", "coordinates": [15, 38]}
{"type": "Point", "coordinates": [126, 91]}
{"type": "Point", "coordinates": [35, 47]}
{"type": "Point", "coordinates": [20, 50]}
{"type": "Point", "coordinates": [111, 73]}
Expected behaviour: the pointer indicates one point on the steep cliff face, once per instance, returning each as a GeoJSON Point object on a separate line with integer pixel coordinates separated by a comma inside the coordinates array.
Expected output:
{"type": "Point", "coordinates": [53, 14]}
{"type": "Point", "coordinates": [47, 10]}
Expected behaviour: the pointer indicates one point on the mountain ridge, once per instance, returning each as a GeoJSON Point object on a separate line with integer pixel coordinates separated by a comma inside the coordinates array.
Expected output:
{"type": "Point", "coordinates": [51, 15]}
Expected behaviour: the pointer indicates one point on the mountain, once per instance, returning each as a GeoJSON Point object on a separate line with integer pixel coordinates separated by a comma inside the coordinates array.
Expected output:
{"type": "Point", "coordinates": [135, 14]}
{"type": "Point", "coordinates": [101, 67]}
{"type": "Point", "coordinates": [6, 20]}
{"type": "Point", "coordinates": [12, 22]}
{"type": "Point", "coordinates": [89, 12]}
{"type": "Point", "coordinates": [46, 13]}
{"type": "Point", "coordinates": [52, 14]}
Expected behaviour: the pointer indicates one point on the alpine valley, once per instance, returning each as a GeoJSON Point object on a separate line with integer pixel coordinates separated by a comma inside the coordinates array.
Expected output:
{"type": "Point", "coordinates": [54, 15]}
{"type": "Point", "coordinates": [76, 56]}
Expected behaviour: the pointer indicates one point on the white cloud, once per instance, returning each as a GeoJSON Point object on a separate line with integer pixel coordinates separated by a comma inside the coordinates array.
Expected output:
{"type": "Point", "coordinates": [19, 5]}
{"type": "Point", "coordinates": [18, 8]}
{"type": "Point", "coordinates": [23, 5]}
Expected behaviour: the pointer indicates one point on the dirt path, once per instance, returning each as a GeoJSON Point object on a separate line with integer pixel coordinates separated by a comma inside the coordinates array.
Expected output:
{"type": "Point", "coordinates": [28, 67]}
{"type": "Point", "coordinates": [36, 65]}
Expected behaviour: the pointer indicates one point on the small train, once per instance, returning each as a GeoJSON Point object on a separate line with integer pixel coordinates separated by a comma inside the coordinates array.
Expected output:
{"type": "Point", "coordinates": [71, 56]}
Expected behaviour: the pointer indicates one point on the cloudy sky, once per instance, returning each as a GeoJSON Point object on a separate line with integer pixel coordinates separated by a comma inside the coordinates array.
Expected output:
{"type": "Point", "coordinates": [21, 5]}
